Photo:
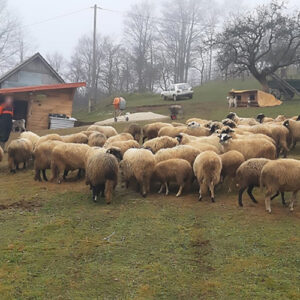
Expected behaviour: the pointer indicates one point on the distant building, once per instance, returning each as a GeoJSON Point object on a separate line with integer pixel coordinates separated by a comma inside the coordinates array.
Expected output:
{"type": "Point", "coordinates": [38, 91]}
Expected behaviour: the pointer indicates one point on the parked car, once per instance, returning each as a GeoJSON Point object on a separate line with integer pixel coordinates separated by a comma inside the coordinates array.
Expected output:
{"type": "Point", "coordinates": [178, 91]}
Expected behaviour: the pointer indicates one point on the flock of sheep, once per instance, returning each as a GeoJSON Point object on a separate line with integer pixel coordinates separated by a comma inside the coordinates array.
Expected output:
{"type": "Point", "coordinates": [244, 151]}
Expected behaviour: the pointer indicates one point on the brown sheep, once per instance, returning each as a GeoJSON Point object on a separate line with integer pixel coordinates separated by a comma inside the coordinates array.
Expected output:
{"type": "Point", "coordinates": [135, 130]}
{"type": "Point", "coordinates": [97, 139]}
{"type": "Point", "coordinates": [150, 131]}
{"type": "Point", "coordinates": [178, 170]}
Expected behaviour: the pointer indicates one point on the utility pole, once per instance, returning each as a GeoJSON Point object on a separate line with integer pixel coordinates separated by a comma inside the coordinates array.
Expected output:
{"type": "Point", "coordinates": [93, 93]}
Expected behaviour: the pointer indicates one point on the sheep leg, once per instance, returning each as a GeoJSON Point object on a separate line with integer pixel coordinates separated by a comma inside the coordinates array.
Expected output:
{"type": "Point", "coordinates": [161, 188]}
{"type": "Point", "coordinates": [44, 175]}
{"type": "Point", "coordinates": [167, 188]}
{"type": "Point", "coordinates": [200, 195]}
{"type": "Point", "coordinates": [212, 192]}
{"type": "Point", "coordinates": [249, 191]}
{"type": "Point", "coordinates": [282, 199]}
{"type": "Point", "coordinates": [241, 191]}
{"type": "Point", "coordinates": [179, 191]}
{"type": "Point", "coordinates": [66, 172]}
{"type": "Point", "coordinates": [37, 176]}
{"type": "Point", "coordinates": [96, 191]}
{"type": "Point", "coordinates": [24, 165]}
{"type": "Point", "coordinates": [268, 202]}
{"type": "Point", "coordinates": [293, 199]}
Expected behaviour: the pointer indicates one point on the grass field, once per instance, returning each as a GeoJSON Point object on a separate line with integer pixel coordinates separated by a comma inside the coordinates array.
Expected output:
{"type": "Point", "coordinates": [55, 243]}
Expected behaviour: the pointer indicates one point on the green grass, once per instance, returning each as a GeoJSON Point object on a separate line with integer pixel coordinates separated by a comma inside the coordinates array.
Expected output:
{"type": "Point", "coordinates": [55, 243]}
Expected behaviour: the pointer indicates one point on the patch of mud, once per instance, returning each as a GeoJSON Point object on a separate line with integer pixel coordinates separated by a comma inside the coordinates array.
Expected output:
{"type": "Point", "coordinates": [25, 205]}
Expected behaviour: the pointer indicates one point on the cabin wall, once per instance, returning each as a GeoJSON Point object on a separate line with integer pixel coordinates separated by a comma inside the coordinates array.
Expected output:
{"type": "Point", "coordinates": [244, 98]}
{"type": "Point", "coordinates": [43, 104]}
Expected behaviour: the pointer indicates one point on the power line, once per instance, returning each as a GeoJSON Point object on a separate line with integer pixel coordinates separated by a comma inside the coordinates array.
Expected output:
{"type": "Point", "coordinates": [56, 17]}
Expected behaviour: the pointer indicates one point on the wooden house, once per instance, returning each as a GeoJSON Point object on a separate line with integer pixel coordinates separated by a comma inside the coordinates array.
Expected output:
{"type": "Point", "coordinates": [38, 90]}
{"type": "Point", "coordinates": [253, 98]}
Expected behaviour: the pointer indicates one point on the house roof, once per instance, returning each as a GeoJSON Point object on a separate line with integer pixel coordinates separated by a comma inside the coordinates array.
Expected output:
{"type": "Point", "coordinates": [27, 61]}
{"type": "Point", "coordinates": [242, 91]}
{"type": "Point", "coordinates": [25, 89]}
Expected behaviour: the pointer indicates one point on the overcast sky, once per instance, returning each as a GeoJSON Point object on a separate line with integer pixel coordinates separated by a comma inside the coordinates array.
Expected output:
{"type": "Point", "coordinates": [61, 34]}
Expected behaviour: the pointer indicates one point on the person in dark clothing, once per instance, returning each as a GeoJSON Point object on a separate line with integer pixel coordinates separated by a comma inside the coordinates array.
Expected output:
{"type": "Point", "coordinates": [6, 119]}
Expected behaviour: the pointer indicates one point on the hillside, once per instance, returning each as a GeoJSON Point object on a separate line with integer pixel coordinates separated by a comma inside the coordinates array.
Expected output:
{"type": "Point", "coordinates": [209, 102]}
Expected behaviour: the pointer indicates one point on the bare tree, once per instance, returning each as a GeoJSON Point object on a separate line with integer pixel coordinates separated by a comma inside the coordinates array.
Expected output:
{"type": "Point", "coordinates": [261, 41]}
{"type": "Point", "coordinates": [57, 62]}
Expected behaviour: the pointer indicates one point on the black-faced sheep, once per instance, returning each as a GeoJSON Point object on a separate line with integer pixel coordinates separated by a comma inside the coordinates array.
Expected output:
{"type": "Point", "coordinates": [124, 145]}
{"type": "Point", "coordinates": [281, 175]}
{"type": "Point", "coordinates": [108, 131]}
{"type": "Point", "coordinates": [252, 148]}
{"type": "Point", "coordinates": [138, 164]}
{"type": "Point", "coordinates": [19, 151]}
{"type": "Point", "coordinates": [160, 143]}
{"type": "Point", "coordinates": [261, 118]}
{"type": "Point", "coordinates": [207, 168]}
{"type": "Point", "coordinates": [294, 128]}
{"type": "Point", "coordinates": [102, 175]}
{"type": "Point", "coordinates": [241, 121]}
{"type": "Point", "coordinates": [178, 170]}
{"type": "Point", "coordinates": [96, 139]}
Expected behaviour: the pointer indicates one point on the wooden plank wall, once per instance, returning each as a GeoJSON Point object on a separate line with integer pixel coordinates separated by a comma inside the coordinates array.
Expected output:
{"type": "Point", "coordinates": [46, 102]}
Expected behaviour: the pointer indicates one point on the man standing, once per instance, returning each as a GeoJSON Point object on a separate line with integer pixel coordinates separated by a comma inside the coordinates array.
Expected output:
{"type": "Point", "coordinates": [6, 119]}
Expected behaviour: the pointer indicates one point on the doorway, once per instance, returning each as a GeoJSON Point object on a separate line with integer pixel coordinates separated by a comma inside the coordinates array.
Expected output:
{"type": "Point", "coordinates": [20, 110]}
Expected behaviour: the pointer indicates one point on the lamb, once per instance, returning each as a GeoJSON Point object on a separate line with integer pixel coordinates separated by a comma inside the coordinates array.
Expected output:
{"type": "Point", "coordinates": [1, 154]}
{"type": "Point", "coordinates": [242, 121]}
{"type": "Point", "coordinates": [252, 148]}
{"type": "Point", "coordinates": [119, 138]}
{"type": "Point", "coordinates": [207, 168]}
{"type": "Point", "coordinates": [185, 152]}
{"type": "Point", "coordinates": [42, 158]}
{"type": "Point", "coordinates": [78, 138]}
{"type": "Point", "coordinates": [281, 175]}
{"type": "Point", "coordinates": [108, 131]}
{"type": "Point", "coordinates": [34, 138]}
{"type": "Point", "coordinates": [19, 151]}
{"type": "Point", "coordinates": [102, 175]}
{"type": "Point", "coordinates": [49, 137]}
{"type": "Point", "coordinates": [66, 157]}
{"type": "Point", "coordinates": [124, 145]}
{"type": "Point", "coordinates": [178, 170]}
{"type": "Point", "coordinates": [96, 139]}
{"type": "Point", "coordinates": [135, 130]}
{"type": "Point", "coordinates": [138, 164]}
{"type": "Point", "coordinates": [261, 118]}
{"type": "Point", "coordinates": [160, 143]}
{"type": "Point", "coordinates": [150, 131]}
{"type": "Point", "coordinates": [294, 129]}
{"type": "Point", "coordinates": [231, 161]}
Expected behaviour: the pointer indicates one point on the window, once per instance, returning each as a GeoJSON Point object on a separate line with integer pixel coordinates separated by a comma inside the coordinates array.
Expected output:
{"type": "Point", "coordinates": [252, 97]}
{"type": "Point", "coordinates": [239, 97]}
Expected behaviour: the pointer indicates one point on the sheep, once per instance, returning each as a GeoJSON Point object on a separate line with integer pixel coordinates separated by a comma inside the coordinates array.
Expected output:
{"type": "Point", "coordinates": [102, 175]}
{"type": "Point", "coordinates": [88, 133]}
{"type": "Point", "coordinates": [34, 138]}
{"type": "Point", "coordinates": [49, 137]}
{"type": "Point", "coordinates": [261, 118]}
{"type": "Point", "coordinates": [108, 131]}
{"type": "Point", "coordinates": [124, 145]}
{"type": "Point", "coordinates": [78, 138]}
{"type": "Point", "coordinates": [250, 148]}
{"type": "Point", "coordinates": [19, 151]}
{"type": "Point", "coordinates": [282, 137]}
{"type": "Point", "coordinates": [182, 151]}
{"type": "Point", "coordinates": [280, 118]}
{"type": "Point", "coordinates": [176, 124]}
{"type": "Point", "coordinates": [97, 139]}
{"type": "Point", "coordinates": [175, 131]}
{"type": "Point", "coordinates": [1, 154]}
{"type": "Point", "coordinates": [242, 121]}
{"type": "Point", "coordinates": [178, 170]}
{"type": "Point", "coordinates": [231, 161]}
{"type": "Point", "coordinates": [67, 156]}
{"type": "Point", "coordinates": [118, 138]}
{"type": "Point", "coordinates": [171, 131]}
{"type": "Point", "coordinates": [229, 122]}
{"type": "Point", "coordinates": [248, 177]}
{"type": "Point", "coordinates": [207, 168]}
{"type": "Point", "coordinates": [160, 143]}
{"type": "Point", "coordinates": [294, 129]}
{"type": "Point", "coordinates": [135, 130]}
{"type": "Point", "coordinates": [197, 120]}
{"type": "Point", "coordinates": [42, 158]}
{"type": "Point", "coordinates": [150, 131]}
{"type": "Point", "coordinates": [281, 175]}
{"type": "Point", "coordinates": [138, 164]}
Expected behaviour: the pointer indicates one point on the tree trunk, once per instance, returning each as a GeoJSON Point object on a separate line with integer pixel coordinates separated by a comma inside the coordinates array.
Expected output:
{"type": "Point", "coordinates": [262, 79]}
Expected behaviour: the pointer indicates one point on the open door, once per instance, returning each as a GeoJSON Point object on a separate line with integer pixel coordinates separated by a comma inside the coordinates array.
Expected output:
{"type": "Point", "coordinates": [20, 110]}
